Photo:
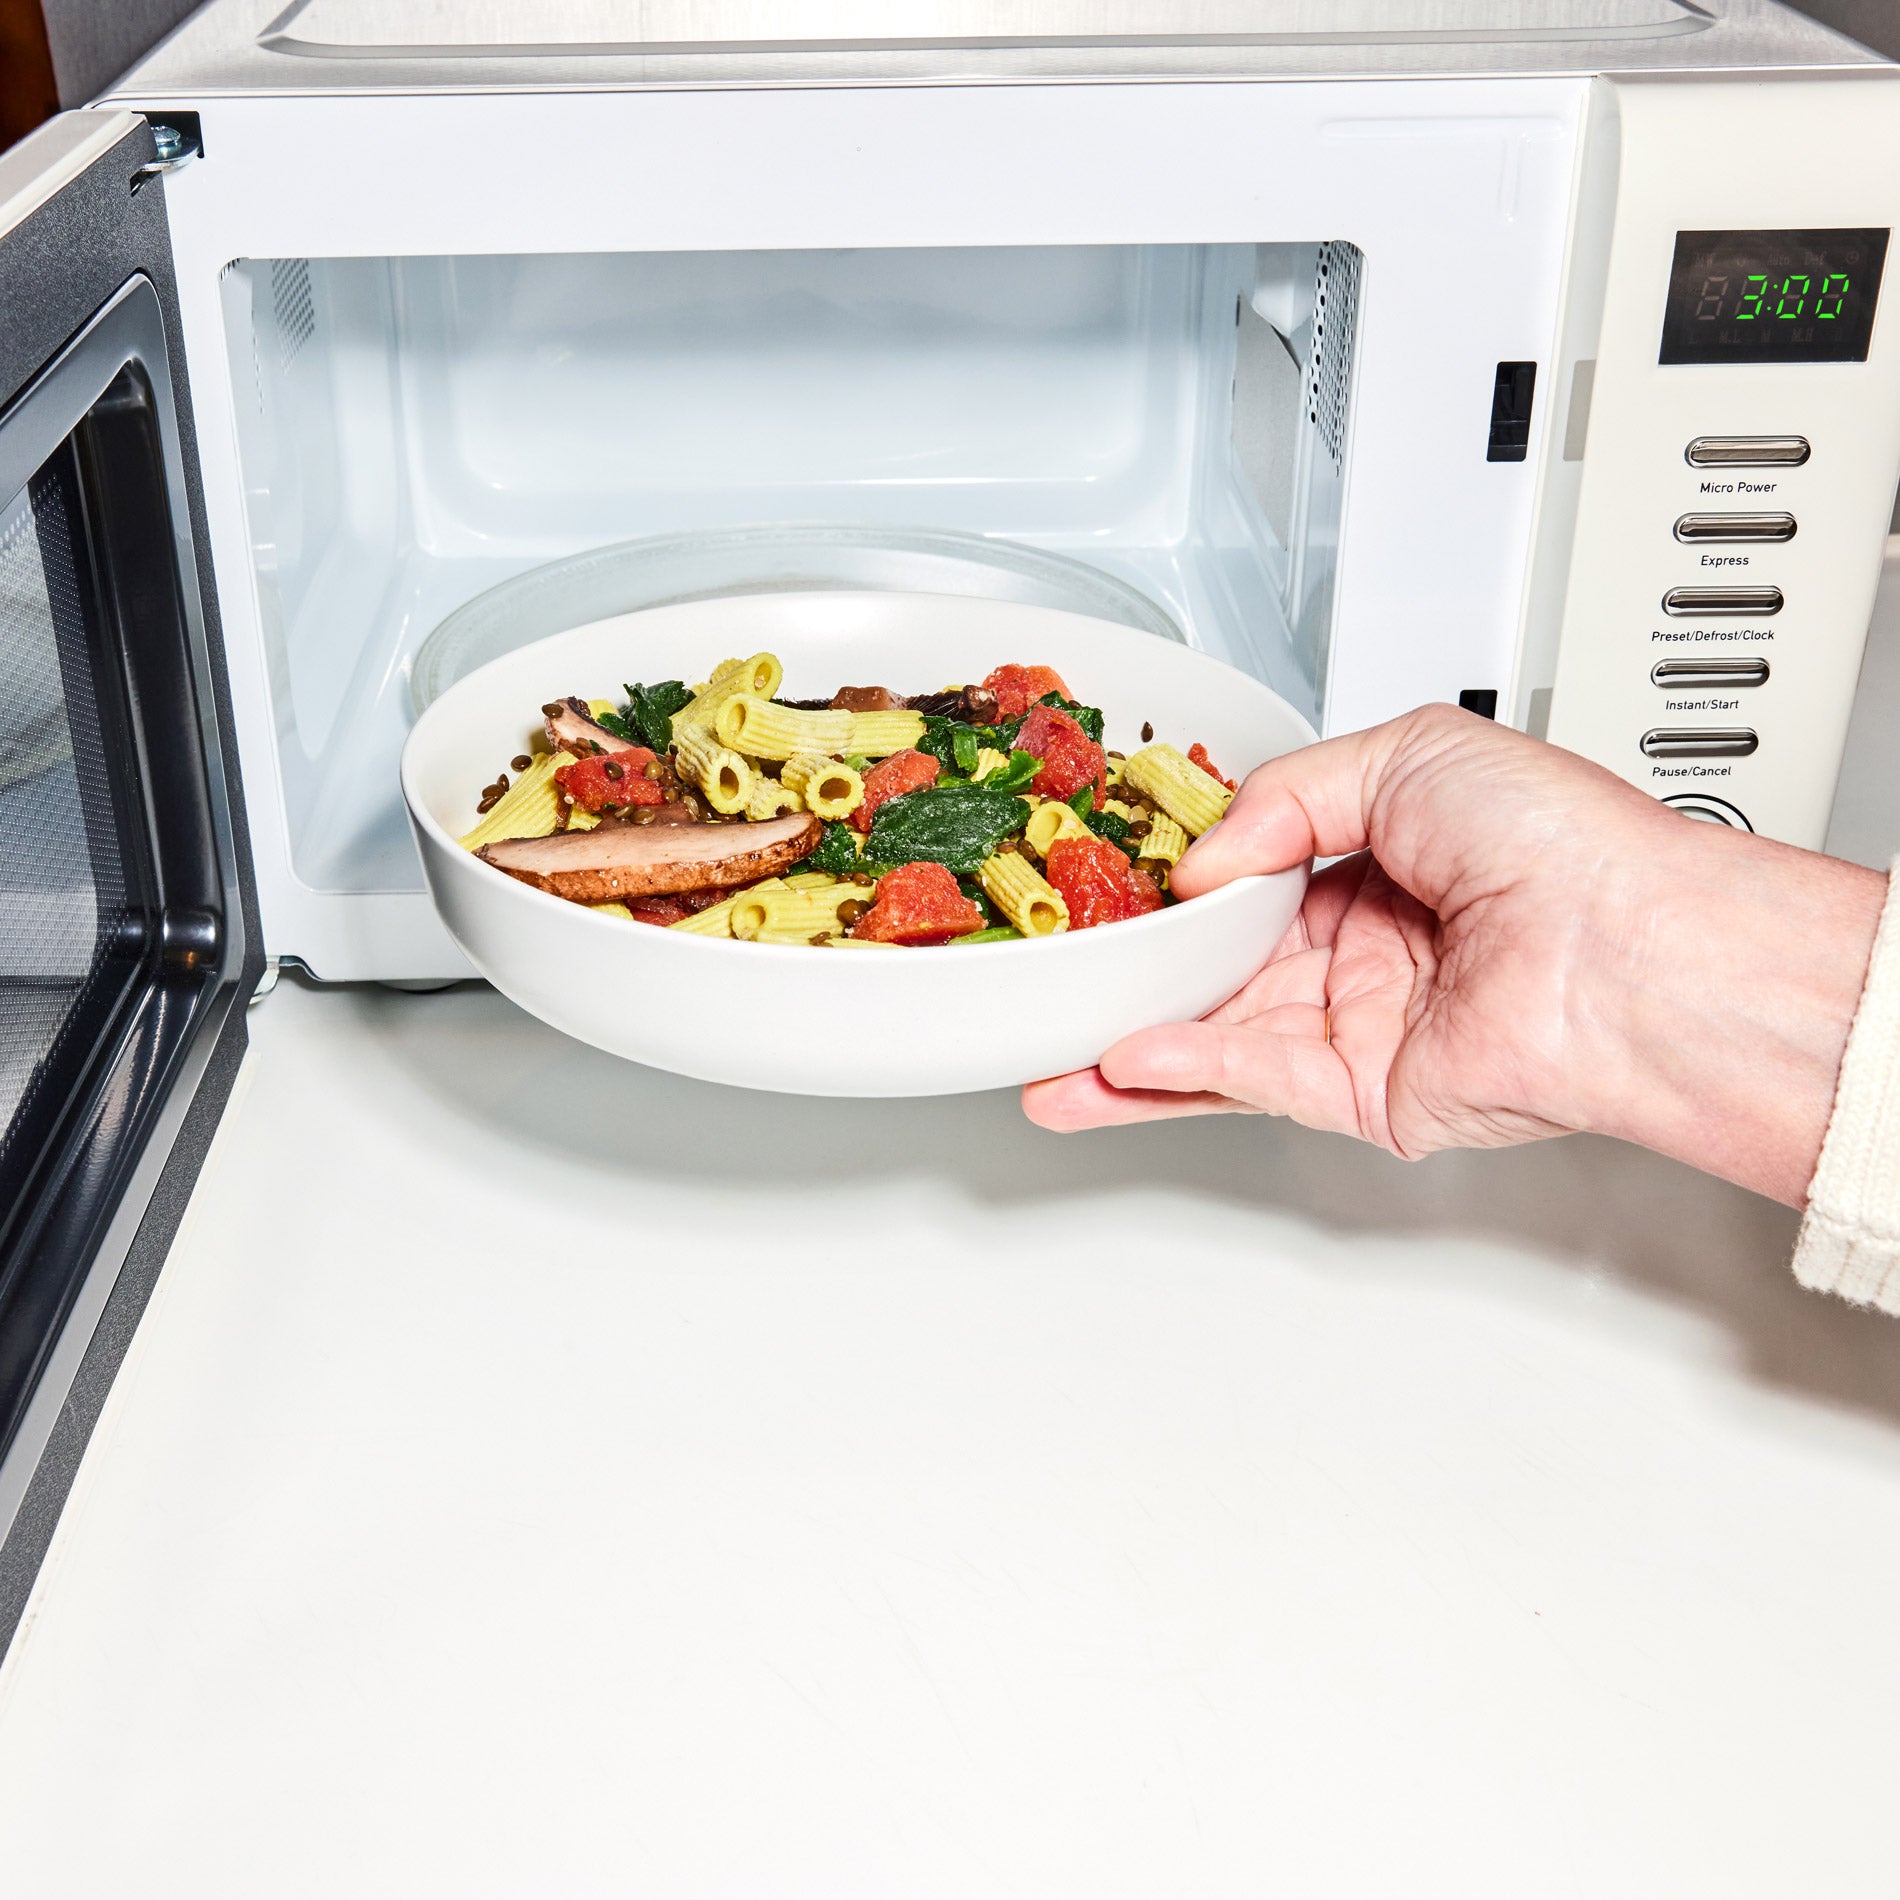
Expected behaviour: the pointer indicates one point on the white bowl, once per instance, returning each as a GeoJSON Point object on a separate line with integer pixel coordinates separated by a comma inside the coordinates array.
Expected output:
{"type": "Point", "coordinates": [815, 1021]}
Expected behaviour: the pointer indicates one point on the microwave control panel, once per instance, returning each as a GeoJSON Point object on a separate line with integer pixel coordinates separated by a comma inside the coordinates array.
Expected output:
{"type": "Point", "coordinates": [1740, 450]}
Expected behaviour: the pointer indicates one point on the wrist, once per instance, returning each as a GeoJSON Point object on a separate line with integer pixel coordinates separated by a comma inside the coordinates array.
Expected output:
{"type": "Point", "coordinates": [1725, 1000]}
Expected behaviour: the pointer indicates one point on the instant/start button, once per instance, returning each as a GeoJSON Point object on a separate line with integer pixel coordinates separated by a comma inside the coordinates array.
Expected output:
{"type": "Point", "coordinates": [1693, 676]}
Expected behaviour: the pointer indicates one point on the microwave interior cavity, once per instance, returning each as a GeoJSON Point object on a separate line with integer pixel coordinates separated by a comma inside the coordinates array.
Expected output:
{"type": "Point", "coordinates": [414, 430]}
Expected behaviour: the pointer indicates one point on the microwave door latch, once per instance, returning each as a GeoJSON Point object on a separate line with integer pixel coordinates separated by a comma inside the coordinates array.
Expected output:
{"type": "Point", "coordinates": [176, 141]}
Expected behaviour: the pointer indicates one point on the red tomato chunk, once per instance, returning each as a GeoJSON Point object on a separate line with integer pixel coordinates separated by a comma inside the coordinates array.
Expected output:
{"type": "Point", "coordinates": [1017, 688]}
{"type": "Point", "coordinates": [1070, 758]}
{"type": "Point", "coordinates": [658, 910]}
{"type": "Point", "coordinates": [675, 908]}
{"type": "Point", "coordinates": [918, 904]}
{"type": "Point", "coordinates": [616, 779]}
{"type": "Point", "coordinates": [902, 772]}
{"type": "Point", "coordinates": [1098, 883]}
{"type": "Point", "coordinates": [1197, 755]}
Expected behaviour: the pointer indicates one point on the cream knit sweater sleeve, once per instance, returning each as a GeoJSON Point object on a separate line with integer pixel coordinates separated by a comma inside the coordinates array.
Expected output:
{"type": "Point", "coordinates": [1850, 1237]}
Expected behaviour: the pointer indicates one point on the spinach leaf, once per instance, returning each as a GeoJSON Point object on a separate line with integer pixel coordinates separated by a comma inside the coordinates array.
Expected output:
{"type": "Point", "coordinates": [1110, 825]}
{"type": "Point", "coordinates": [1089, 718]}
{"type": "Point", "coordinates": [1001, 933]}
{"type": "Point", "coordinates": [1016, 775]}
{"type": "Point", "coordinates": [612, 722]}
{"type": "Point", "coordinates": [837, 852]}
{"type": "Point", "coordinates": [952, 825]}
{"type": "Point", "coordinates": [980, 898]}
{"type": "Point", "coordinates": [951, 743]}
{"type": "Point", "coordinates": [649, 713]}
{"type": "Point", "coordinates": [1082, 803]}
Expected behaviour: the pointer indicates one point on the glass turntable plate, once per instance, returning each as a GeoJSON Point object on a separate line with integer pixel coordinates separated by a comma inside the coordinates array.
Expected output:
{"type": "Point", "coordinates": [660, 570]}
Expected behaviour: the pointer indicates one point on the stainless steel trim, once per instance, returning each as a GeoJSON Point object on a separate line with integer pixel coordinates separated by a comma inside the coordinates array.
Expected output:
{"type": "Point", "coordinates": [1747, 451]}
{"type": "Point", "coordinates": [46, 161]}
{"type": "Point", "coordinates": [1699, 742]}
{"type": "Point", "coordinates": [1722, 600]}
{"type": "Point", "coordinates": [343, 29]}
{"type": "Point", "coordinates": [252, 48]}
{"type": "Point", "coordinates": [1763, 527]}
{"type": "Point", "coordinates": [1706, 675]}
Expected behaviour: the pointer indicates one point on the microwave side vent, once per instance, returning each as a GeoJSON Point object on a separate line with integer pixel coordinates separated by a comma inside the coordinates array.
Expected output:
{"type": "Point", "coordinates": [1335, 319]}
{"type": "Point", "coordinates": [293, 306]}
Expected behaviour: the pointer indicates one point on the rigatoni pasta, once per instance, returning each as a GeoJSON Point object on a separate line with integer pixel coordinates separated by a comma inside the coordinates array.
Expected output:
{"type": "Point", "coordinates": [797, 916]}
{"type": "Point", "coordinates": [529, 808]}
{"type": "Point", "coordinates": [1052, 819]}
{"type": "Point", "coordinates": [879, 734]}
{"type": "Point", "coordinates": [769, 796]}
{"type": "Point", "coordinates": [1166, 839]}
{"type": "Point", "coordinates": [829, 787]}
{"type": "Point", "coordinates": [764, 731]}
{"type": "Point", "coordinates": [1034, 907]}
{"type": "Point", "coordinates": [724, 776]}
{"type": "Point", "coordinates": [1192, 797]}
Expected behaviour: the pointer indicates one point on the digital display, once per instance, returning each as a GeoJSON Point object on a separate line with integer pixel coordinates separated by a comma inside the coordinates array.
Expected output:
{"type": "Point", "coordinates": [1773, 296]}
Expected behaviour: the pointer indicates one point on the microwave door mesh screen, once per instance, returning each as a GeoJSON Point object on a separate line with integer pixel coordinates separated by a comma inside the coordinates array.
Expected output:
{"type": "Point", "coordinates": [64, 889]}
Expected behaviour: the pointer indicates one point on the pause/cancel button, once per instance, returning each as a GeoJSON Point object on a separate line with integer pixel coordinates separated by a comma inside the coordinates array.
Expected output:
{"type": "Point", "coordinates": [1699, 742]}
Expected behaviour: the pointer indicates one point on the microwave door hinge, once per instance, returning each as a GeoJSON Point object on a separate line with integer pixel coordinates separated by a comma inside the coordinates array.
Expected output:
{"type": "Point", "coordinates": [176, 141]}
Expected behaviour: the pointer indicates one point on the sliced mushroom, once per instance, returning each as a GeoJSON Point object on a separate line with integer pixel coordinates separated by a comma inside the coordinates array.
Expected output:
{"type": "Point", "coordinates": [620, 861]}
{"type": "Point", "coordinates": [675, 811]}
{"type": "Point", "coordinates": [974, 705]}
{"type": "Point", "coordinates": [866, 699]}
{"type": "Point", "coordinates": [571, 728]}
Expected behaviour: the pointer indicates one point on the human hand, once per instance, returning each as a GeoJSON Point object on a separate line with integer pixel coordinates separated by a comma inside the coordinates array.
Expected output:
{"type": "Point", "coordinates": [1524, 945]}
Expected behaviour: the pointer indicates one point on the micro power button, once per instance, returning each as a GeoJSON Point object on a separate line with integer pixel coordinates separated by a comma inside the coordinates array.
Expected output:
{"type": "Point", "coordinates": [1747, 451]}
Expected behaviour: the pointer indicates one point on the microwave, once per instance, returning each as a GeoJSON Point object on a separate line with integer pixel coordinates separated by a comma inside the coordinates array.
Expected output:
{"type": "Point", "coordinates": [1524, 354]}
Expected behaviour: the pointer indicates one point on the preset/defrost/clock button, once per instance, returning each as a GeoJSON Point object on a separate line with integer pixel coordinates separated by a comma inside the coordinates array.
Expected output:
{"type": "Point", "coordinates": [1722, 600]}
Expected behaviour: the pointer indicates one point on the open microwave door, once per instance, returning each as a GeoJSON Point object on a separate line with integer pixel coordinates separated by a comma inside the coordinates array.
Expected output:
{"type": "Point", "coordinates": [128, 937]}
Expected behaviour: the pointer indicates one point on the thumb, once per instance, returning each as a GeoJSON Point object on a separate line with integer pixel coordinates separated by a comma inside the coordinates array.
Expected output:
{"type": "Point", "coordinates": [1315, 802]}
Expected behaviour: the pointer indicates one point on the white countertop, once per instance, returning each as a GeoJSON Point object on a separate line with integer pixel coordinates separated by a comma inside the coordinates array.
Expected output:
{"type": "Point", "coordinates": [538, 1476]}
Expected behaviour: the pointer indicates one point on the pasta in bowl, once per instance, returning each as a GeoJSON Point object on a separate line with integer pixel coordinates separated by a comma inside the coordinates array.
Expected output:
{"type": "Point", "coordinates": [738, 870]}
